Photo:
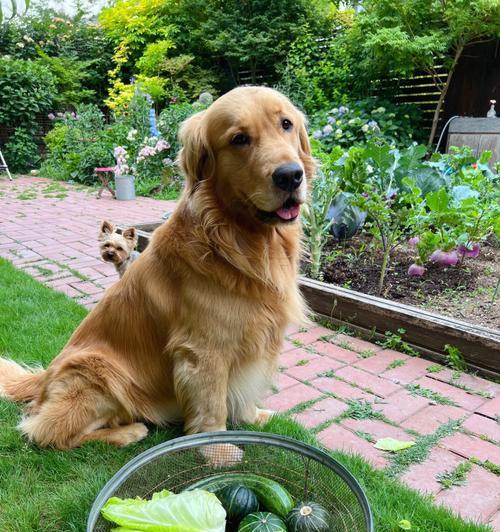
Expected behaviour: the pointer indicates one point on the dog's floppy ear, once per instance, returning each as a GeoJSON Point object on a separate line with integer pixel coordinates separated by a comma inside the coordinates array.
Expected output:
{"type": "Point", "coordinates": [107, 227]}
{"type": "Point", "coordinates": [130, 234]}
{"type": "Point", "coordinates": [305, 150]}
{"type": "Point", "coordinates": [196, 156]}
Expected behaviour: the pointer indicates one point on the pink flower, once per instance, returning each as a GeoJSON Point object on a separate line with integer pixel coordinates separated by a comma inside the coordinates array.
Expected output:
{"type": "Point", "coordinates": [162, 145]}
{"type": "Point", "coordinates": [413, 241]}
{"type": "Point", "coordinates": [469, 252]}
{"type": "Point", "coordinates": [415, 270]}
{"type": "Point", "coordinates": [51, 116]}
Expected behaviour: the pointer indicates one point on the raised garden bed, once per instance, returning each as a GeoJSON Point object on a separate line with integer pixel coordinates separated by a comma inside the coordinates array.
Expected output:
{"type": "Point", "coordinates": [373, 316]}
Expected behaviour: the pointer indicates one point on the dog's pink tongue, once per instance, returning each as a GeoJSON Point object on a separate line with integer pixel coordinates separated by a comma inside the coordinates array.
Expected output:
{"type": "Point", "coordinates": [287, 213]}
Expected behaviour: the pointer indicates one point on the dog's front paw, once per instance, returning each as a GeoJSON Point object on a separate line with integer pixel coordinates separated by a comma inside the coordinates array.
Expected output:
{"type": "Point", "coordinates": [263, 416]}
{"type": "Point", "coordinates": [130, 434]}
{"type": "Point", "coordinates": [222, 454]}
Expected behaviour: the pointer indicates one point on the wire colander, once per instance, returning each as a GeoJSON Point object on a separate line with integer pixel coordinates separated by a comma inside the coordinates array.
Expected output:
{"type": "Point", "coordinates": [306, 472]}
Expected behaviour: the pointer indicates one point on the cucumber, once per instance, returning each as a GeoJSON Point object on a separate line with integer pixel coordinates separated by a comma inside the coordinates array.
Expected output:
{"type": "Point", "coordinates": [270, 494]}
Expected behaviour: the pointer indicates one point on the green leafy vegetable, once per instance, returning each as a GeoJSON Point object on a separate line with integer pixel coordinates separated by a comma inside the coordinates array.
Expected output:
{"type": "Point", "coordinates": [392, 445]}
{"type": "Point", "coordinates": [192, 511]}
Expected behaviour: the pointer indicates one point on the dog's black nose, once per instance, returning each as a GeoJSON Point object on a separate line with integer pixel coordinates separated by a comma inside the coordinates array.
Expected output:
{"type": "Point", "coordinates": [288, 176]}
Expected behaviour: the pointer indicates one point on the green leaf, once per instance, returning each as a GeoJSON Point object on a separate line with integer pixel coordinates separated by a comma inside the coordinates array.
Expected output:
{"type": "Point", "coordinates": [392, 445]}
{"type": "Point", "coordinates": [404, 524]}
{"type": "Point", "coordinates": [438, 201]}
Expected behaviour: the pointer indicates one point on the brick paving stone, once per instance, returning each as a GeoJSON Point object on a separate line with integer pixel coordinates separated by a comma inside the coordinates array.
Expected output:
{"type": "Point", "coordinates": [287, 346]}
{"type": "Point", "coordinates": [474, 383]}
{"type": "Point", "coordinates": [310, 335]}
{"type": "Point", "coordinates": [372, 383]}
{"type": "Point", "coordinates": [462, 398]}
{"type": "Point", "coordinates": [490, 408]}
{"type": "Point", "coordinates": [341, 389]}
{"type": "Point", "coordinates": [87, 288]}
{"type": "Point", "coordinates": [336, 352]}
{"type": "Point", "coordinates": [356, 344]}
{"type": "Point", "coordinates": [429, 419]}
{"type": "Point", "coordinates": [313, 368]}
{"type": "Point", "coordinates": [376, 428]}
{"type": "Point", "coordinates": [68, 290]}
{"type": "Point", "coordinates": [423, 476]}
{"type": "Point", "coordinates": [282, 381]}
{"type": "Point", "coordinates": [471, 447]}
{"type": "Point", "coordinates": [400, 406]}
{"type": "Point", "coordinates": [290, 397]}
{"type": "Point", "coordinates": [494, 522]}
{"type": "Point", "coordinates": [63, 280]}
{"type": "Point", "coordinates": [321, 411]}
{"type": "Point", "coordinates": [378, 363]}
{"type": "Point", "coordinates": [483, 426]}
{"type": "Point", "coordinates": [290, 358]}
{"type": "Point", "coordinates": [477, 500]}
{"type": "Point", "coordinates": [339, 438]}
{"type": "Point", "coordinates": [413, 369]}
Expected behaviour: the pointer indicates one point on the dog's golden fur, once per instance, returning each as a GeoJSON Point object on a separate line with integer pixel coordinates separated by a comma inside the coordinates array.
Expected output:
{"type": "Point", "coordinates": [194, 328]}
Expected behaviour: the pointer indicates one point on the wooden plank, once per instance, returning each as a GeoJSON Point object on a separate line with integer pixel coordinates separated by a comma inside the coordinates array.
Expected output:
{"type": "Point", "coordinates": [475, 125]}
{"type": "Point", "coordinates": [490, 143]}
{"type": "Point", "coordinates": [480, 346]}
{"type": "Point", "coordinates": [460, 140]}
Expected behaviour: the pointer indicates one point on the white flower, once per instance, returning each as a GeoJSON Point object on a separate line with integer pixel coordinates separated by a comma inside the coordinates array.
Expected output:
{"type": "Point", "coordinates": [132, 134]}
{"type": "Point", "coordinates": [327, 129]}
{"type": "Point", "coordinates": [338, 132]}
{"type": "Point", "coordinates": [20, 45]}
{"type": "Point", "coordinates": [335, 110]}
{"type": "Point", "coordinates": [369, 169]}
{"type": "Point", "coordinates": [351, 121]}
{"type": "Point", "coordinates": [364, 128]}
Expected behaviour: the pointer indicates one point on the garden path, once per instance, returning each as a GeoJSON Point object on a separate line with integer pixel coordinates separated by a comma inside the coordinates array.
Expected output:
{"type": "Point", "coordinates": [350, 392]}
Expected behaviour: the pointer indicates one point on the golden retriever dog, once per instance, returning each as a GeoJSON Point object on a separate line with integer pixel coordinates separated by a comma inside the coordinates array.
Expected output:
{"type": "Point", "coordinates": [194, 328]}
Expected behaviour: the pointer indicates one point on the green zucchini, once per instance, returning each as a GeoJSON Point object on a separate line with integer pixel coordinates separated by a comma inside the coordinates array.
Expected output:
{"type": "Point", "coordinates": [262, 522]}
{"type": "Point", "coordinates": [270, 494]}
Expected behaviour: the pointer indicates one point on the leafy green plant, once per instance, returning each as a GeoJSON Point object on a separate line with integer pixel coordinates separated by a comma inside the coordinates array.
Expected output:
{"type": "Point", "coordinates": [455, 477]}
{"type": "Point", "coordinates": [454, 358]}
{"type": "Point", "coordinates": [394, 340]}
{"type": "Point", "coordinates": [361, 121]}
{"type": "Point", "coordinates": [315, 214]}
{"type": "Point", "coordinates": [26, 89]}
{"type": "Point", "coordinates": [21, 152]}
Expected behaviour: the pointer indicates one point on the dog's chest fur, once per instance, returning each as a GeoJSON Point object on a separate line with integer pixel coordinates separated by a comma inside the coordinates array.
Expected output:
{"type": "Point", "coordinates": [122, 268]}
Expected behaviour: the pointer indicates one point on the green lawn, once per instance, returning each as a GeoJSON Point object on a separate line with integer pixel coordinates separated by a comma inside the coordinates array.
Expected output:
{"type": "Point", "coordinates": [48, 490]}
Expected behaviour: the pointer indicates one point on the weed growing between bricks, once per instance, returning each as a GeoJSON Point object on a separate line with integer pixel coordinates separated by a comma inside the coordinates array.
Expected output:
{"type": "Point", "coordinates": [455, 477]}
{"type": "Point", "coordinates": [416, 389]}
{"type": "Point", "coordinates": [417, 454]}
{"type": "Point", "coordinates": [490, 466]}
{"type": "Point", "coordinates": [396, 363]}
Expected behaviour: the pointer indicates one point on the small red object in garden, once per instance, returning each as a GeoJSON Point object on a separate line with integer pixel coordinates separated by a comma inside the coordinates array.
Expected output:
{"type": "Point", "coordinates": [104, 173]}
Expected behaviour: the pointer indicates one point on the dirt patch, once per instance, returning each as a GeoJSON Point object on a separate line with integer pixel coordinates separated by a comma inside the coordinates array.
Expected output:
{"type": "Point", "coordinates": [464, 293]}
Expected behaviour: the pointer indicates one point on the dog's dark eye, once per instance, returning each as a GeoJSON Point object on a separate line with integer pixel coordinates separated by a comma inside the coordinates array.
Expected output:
{"type": "Point", "coordinates": [240, 139]}
{"type": "Point", "coordinates": [119, 248]}
{"type": "Point", "coordinates": [286, 124]}
{"type": "Point", "coordinates": [106, 245]}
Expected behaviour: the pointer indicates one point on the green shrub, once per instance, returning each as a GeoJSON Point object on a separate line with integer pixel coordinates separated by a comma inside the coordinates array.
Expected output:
{"type": "Point", "coordinates": [27, 88]}
{"type": "Point", "coordinates": [21, 152]}
{"type": "Point", "coordinates": [359, 122]}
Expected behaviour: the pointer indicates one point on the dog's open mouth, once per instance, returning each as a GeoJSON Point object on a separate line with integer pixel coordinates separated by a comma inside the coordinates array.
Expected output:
{"type": "Point", "coordinates": [288, 212]}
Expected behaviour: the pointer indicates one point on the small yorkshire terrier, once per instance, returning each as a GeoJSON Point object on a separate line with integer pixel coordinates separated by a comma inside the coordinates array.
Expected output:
{"type": "Point", "coordinates": [118, 248]}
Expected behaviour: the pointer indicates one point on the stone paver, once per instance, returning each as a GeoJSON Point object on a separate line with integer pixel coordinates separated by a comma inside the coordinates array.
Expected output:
{"type": "Point", "coordinates": [472, 447]}
{"type": "Point", "coordinates": [429, 419]}
{"type": "Point", "coordinates": [339, 438]}
{"type": "Point", "coordinates": [55, 241]}
{"type": "Point", "coordinates": [424, 476]}
{"type": "Point", "coordinates": [476, 500]}
{"type": "Point", "coordinates": [321, 411]}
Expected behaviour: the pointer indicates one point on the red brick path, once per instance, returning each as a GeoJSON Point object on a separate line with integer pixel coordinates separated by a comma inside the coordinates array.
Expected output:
{"type": "Point", "coordinates": [54, 240]}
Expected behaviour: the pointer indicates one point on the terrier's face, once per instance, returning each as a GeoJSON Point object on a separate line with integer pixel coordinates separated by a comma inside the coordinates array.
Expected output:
{"type": "Point", "coordinates": [116, 248]}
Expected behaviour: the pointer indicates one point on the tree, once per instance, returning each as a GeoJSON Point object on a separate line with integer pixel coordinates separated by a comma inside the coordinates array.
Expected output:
{"type": "Point", "coordinates": [404, 36]}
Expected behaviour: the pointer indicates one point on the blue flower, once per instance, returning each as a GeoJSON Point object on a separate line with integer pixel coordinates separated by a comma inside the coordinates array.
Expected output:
{"type": "Point", "coordinates": [317, 134]}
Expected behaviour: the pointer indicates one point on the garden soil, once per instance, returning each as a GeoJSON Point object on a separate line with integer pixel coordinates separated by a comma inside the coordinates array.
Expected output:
{"type": "Point", "coordinates": [465, 293]}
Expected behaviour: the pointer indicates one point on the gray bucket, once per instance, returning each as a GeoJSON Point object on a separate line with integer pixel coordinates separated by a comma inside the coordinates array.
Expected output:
{"type": "Point", "coordinates": [124, 187]}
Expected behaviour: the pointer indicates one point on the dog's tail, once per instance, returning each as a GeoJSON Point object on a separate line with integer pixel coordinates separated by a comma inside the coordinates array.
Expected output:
{"type": "Point", "coordinates": [18, 383]}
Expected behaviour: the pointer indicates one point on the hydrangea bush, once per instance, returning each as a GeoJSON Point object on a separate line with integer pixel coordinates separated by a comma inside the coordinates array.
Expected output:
{"type": "Point", "coordinates": [364, 120]}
